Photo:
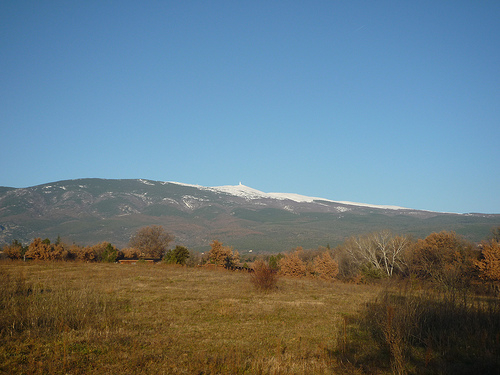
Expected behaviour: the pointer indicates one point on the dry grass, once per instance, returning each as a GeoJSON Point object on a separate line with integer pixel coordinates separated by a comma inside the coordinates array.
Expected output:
{"type": "Point", "coordinates": [427, 331]}
{"type": "Point", "coordinates": [78, 318]}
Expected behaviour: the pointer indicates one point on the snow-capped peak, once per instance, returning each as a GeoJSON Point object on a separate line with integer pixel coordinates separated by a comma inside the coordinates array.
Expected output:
{"type": "Point", "coordinates": [249, 193]}
{"type": "Point", "coordinates": [240, 191]}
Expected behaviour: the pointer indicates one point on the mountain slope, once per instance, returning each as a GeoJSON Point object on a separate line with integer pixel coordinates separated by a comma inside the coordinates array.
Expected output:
{"type": "Point", "coordinates": [87, 211]}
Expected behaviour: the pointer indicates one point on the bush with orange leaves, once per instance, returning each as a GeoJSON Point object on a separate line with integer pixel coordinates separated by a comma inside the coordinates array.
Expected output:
{"type": "Point", "coordinates": [131, 253]}
{"type": "Point", "coordinates": [15, 250]}
{"type": "Point", "coordinates": [263, 277]}
{"type": "Point", "coordinates": [292, 265]}
{"type": "Point", "coordinates": [488, 264]}
{"type": "Point", "coordinates": [43, 250]}
{"type": "Point", "coordinates": [325, 267]}
{"type": "Point", "coordinates": [223, 255]}
{"type": "Point", "coordinates": [101, 252]}
{"type": "Point", "coordinates": [444, 257]}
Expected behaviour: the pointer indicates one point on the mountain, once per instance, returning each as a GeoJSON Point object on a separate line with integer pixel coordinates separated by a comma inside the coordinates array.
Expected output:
{"type": "Point", "coordinates": [87, 211]}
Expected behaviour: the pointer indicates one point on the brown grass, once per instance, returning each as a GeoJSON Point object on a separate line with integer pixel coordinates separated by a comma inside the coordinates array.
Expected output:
{"type": "Point", "coordinates": [427, 331]}
{"type": "Point", "coordinates": [101, 318]}
{"type": "Point", "coordinates": [80, 318]}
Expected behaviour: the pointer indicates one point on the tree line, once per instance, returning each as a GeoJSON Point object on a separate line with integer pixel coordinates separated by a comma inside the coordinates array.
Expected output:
{"type": "Point", "coordinates": [443, 257]}
{"type": "Point", "coordinates": [149, 242]}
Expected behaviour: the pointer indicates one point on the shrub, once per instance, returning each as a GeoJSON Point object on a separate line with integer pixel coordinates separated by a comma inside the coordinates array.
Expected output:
{"type": "Point", "coordinates": [444, 258]}
{"type": "Point", "coordinates": [489, 263]}
{"type": "Point", "coordinates": [179, 255]}
{"type": "Point", "coordinates": [325, 267]}
{"type": "Point", "coordinates": [87, 254]}
{"type": "Point", "coordinates": [103, 252]}
{"type": "Point", "coordinates": [263, 277]}
{"type": "Point", "coordinates": [72, 252]}
{"type": "Point", "coordinates": [292, 265]}
{"type": "Point", "coordinates": [44, 250]}
{"type": "Point", "coordinates": [223, 255]}
{"type": "Point", "coordinates": [15, 250]}
{"type": "Point", "coordinates": [370, 273]}
{"type": "Point", "coordinates": [274, 261]}
{"type": "Point", "coordinates": [131, 253]}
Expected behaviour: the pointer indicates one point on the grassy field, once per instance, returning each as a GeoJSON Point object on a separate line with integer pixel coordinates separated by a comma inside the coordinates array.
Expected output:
{"type": "Point", "coordinates": [111, 318]}
{"type": "Point", "coordinates": [80, 318]}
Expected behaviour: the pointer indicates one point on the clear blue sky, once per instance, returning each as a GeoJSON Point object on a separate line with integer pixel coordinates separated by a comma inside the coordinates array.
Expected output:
{"type": "Point", "coordinates": [382, 102]}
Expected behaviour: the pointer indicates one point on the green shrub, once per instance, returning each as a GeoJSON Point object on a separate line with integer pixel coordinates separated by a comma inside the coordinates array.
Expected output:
{"type": "Point", "coordinates": [369, 272]}
{"type": "Point", "coordinates": [109, 254]}
{"type": "Point", "coordinates": [179, 255]}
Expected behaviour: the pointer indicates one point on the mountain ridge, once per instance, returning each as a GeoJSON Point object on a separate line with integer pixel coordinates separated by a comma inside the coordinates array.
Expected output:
{"type": "Point", "coordinates": [88, 211]}
{"type": "Point", "coordinates": [243, 190]}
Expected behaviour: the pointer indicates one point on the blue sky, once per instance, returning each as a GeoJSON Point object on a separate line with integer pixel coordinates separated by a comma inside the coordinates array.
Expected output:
{"type": "Point", "coordinates": [386, 102]}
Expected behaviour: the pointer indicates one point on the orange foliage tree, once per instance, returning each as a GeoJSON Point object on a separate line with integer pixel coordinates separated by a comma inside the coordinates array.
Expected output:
{"type": "Point", "coordinates": [326, 267]}
{"type": "Point", "coordinates": [15, 250]}
{"type": "Point", "coordinates": [101, 252]}
{"type": "Point", "coordinates": [222, 255]}
{"type": "Point", "coordinates": [443, 257]}
{"type": "Point", "coordinates": [43, 250]}
{"type": "Point", "coordinates": [488, 264]}
{"type": "Point", "coordinates": [292, 265]}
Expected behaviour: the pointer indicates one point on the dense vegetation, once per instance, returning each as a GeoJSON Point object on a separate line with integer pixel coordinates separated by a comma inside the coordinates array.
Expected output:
{"type": "Point", "coordinates": [379, 303]}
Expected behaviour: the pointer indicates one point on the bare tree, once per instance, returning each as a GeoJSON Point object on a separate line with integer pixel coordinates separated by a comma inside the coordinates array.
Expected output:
{"type": "Point", "coordinates": [151, 241]}
{"type": "Point", "coordinates": [382, 250]}
{"type": "Point", "coordinates": [362, 250]}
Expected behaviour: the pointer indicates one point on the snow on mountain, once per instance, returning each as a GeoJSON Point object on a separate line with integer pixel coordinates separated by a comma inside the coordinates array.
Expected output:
{"type": "Point", "coordinates": [381, 206]}
{"type": "Point", "coordinates": [240, 191]}
{"type": "Point", "coordinates": [249, 193]}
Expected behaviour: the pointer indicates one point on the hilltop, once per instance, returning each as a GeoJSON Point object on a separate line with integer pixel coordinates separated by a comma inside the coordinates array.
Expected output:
{"type": "Point", "coordinates": [87, 211]}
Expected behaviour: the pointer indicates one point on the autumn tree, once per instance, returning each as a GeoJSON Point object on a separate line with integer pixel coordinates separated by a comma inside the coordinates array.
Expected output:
{"type": "Point", "coordinates": [222, 255]}
{"type": "Point", "coordinates": [87, 254]}
{"type": "Point", "coordinates": [151, 241]}
{"type": "Point", "coordinates": [325, 267]}
{"type": "Point", "coordinates": [43, 250]}
{"type": "Point", "coordinates": [292, 265]}
{"type": "Point", "coordinates": [443, 257]}
{"type": "Point", "coordinates": [489, 262]}
{"type": "Point", "coordinates": [15, 250]}
{"type": "Point", "coordinates": [131, 253]}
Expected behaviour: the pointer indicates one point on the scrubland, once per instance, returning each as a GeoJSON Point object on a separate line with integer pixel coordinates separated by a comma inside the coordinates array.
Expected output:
{"type": "Point", "coordinates": [102, 318]}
